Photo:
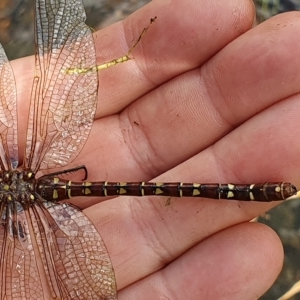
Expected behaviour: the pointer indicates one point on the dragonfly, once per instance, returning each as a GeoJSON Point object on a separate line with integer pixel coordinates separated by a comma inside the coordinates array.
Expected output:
{"type": "Point", "coordinates": [49, 249]}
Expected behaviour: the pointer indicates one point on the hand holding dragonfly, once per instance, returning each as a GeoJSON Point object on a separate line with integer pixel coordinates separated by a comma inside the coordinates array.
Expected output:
{"type": "Point", "coordinates": [205, 99]}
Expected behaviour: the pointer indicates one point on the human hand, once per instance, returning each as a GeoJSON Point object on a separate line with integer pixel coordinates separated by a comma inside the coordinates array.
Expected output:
{"type": "Point", "coordinates": [200, 102]}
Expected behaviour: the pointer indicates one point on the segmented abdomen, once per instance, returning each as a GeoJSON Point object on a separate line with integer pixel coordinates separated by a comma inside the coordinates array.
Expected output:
{"type": "Point", "coordinates": [59, 189]}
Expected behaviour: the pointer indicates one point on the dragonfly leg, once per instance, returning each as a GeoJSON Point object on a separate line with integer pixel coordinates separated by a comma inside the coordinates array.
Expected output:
{"type": "Point", "coordinates": [113, 62]}
{"type": "Point", "coordinates": [71, 170]}
{"type": "Point", "coordinates": [127, 56]}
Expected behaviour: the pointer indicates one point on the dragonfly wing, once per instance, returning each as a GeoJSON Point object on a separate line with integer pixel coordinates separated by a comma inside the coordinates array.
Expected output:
{"type": "Point", "coordinates": [80, 260]}
{"type": "Point", "coordinates": [8, 115]}
{"type": "Point", "coordinates": [54, 253]}
{"type": "Point", "coordinates": [62, 105]}
{"type": "Point", "coordinates": [18, 266]}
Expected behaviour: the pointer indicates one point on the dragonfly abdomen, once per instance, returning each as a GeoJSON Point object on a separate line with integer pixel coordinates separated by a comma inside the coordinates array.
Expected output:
{"type": "Point", "coordinates": [247, 192]}
{"type": "Point", "coordinates": [59, 189]}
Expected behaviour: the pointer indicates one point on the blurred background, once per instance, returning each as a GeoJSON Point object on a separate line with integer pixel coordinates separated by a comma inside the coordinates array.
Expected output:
{"type": "Point", "coordinates": [16, 35]}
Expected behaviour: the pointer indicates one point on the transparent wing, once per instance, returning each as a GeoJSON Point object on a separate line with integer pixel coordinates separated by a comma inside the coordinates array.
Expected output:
{"type": "Point", "coordinates": [8, 115]}
{"type": "Point", "coordinates": [53, 253]}
{"type": "Point", "coordinates": [62, 105]}
{"type": "Point", "coordinates": [18, 267]}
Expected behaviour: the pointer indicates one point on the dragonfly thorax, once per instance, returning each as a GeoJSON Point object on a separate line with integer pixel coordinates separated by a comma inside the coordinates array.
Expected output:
{"type": "Point", "coordinates": [17, 186]}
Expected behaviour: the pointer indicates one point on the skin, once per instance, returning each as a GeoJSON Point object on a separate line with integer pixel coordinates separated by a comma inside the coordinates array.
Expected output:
{"type": "Point", "coordinates": [215, 100]}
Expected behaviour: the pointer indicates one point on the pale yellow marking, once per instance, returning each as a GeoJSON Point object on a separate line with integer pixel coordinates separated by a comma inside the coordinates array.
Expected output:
{"type": "Point", "coordinates": [230, 194]}
{"type": "Point", "coordinates": [29, 175]}
{"type": "Point", "coordinates": [55, 194]}
{"type": "Point", "coordinates": [69, 190]}
{"type": "Point", "coordinates": [252, 186]}
{"type": "Point", "coordinates": [142, 188]}
{"type": "Point", "coordinates": [31, 197]}
{"type": "Point", "coordinates": [277, 189]}
{"type": "Point", "coordinates": [158, 190]}
{"type": "Point", "coordinates": [86, 190]}
{"type": "Point", "coordinates": [6, 187]}
{"type": "Point", "coordinates": [251, 196]}
{"type": "Point", "coordinates": [122, 191]}
{"type": "Point", "coordinates": [231, 186]}
{"type": "Point", "coordinates": [65, 186]}
{"type": "Point", "coordinates": [122, 59]}
{"type": "Point", "coordinates": [9, 198]}
{"type": "Point", "coordinates": [196, 192]}
{"type": "Point", "coordinates": [104, 188]}
{"type": "Point", "coordinates": [56, 180]}
{"type": "Point", "coordinates": [180, 190]}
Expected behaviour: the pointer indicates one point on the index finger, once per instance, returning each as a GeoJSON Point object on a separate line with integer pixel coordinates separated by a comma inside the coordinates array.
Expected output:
{"type": "Point", "coordinates": [179, 40]}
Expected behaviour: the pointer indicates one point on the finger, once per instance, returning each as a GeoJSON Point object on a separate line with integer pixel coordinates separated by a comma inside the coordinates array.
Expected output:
{"type": "Point", "coordinates": [175, 43]}
{"type": "Point", "coordinates": [225, 266]}
{"type": "Point", "coordinates": [257, 70]}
